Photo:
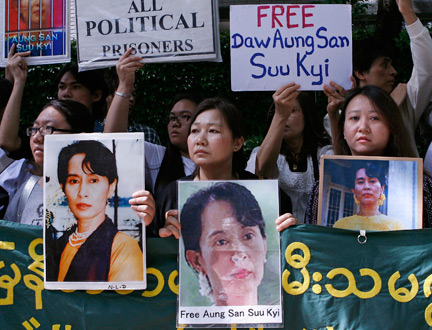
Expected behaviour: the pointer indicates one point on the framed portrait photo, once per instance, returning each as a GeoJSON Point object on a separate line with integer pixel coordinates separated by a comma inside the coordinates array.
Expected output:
{"type": "Point", "coordinates": [229, 254]}
{"type": "Point", "coordinates": [370, 193]}
{"type": "Point", "coordinates": [93, 240]}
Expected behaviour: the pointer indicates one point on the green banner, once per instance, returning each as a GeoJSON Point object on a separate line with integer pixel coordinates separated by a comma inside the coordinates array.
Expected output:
{"type": "Point", "coordinates": [330, 281]}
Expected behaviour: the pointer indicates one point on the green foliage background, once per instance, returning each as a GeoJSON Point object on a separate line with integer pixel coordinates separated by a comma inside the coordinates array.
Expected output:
{"type": "Point", "coordinates": [157, 84]}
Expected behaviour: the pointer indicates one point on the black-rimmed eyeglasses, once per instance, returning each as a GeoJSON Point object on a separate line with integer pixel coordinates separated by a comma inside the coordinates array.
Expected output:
{"type": "Point", "coordinates": [46, 130]}
{"type": "Point", "coordinates": [181, 119]}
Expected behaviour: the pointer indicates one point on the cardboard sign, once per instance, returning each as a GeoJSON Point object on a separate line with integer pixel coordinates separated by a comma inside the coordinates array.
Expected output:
{"type": "Point", "coordinates": [39, 26]}
{"type": "Point", "coordinates": [272, 45]}
{"type": "Point", "coordinates": [157, 30]}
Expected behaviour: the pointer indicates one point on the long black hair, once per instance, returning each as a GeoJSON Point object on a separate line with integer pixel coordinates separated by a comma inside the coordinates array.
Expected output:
{"type": "Point", "coordinates": [398, 145]}
{"type": "Point", "coordinates": [172, 167]}
{"type": "Point", "coordinates": [234, 119]}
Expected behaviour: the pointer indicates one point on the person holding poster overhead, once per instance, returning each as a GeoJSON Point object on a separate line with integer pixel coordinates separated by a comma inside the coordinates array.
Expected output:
{"type": "Point", "coordinates": [87, 88]}
{"type": "Point", "coordinates": [372, 125]}
{"type": "Point", "coordinates": [372, 65]}
{"type": "Point", "coordinates": [163, 164]}
{"type": "Point", "coordinates": [292, 146]}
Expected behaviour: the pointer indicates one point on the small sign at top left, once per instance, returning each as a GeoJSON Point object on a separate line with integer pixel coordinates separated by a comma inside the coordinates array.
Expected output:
{"type": "Point", "coordinates": [38, 26]}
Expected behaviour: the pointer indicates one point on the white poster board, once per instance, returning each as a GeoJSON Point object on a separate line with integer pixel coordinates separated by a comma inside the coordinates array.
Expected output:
{"type": "Point", "coordinates": [272, 45]}
{"type": "Point", "coordinates": [39, 26]}
{"type": "Point", "coordinates": [89, 179]}
{"type": "Point", "coordinates": [229, 248]}
{"type": "Point", "coordinates": [157, 30]}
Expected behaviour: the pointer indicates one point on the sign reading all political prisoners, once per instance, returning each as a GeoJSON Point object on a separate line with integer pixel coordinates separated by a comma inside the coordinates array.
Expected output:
{"type": "Point", "coordinates": [38, 26]}
{"type": "Point", "coordinates": [272, 45]}
{"type": "Point", "coordinates": [157, 30]}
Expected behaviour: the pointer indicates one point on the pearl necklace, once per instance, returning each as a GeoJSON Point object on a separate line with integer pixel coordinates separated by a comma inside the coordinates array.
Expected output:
{"type": "Point", "coordinates": [77, 239]}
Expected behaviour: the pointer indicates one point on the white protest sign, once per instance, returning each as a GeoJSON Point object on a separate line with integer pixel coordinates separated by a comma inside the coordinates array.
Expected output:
{"type": "Point", "coordinates": [157, 30]}
{"type": "Point", "coordinates": [272, 45]}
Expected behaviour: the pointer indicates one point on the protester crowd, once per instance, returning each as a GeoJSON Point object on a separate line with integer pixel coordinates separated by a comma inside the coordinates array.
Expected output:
{"type": "Point", "coordinates": [206, 136]}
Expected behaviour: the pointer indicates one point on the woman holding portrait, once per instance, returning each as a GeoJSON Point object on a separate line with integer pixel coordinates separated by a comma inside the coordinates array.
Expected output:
{"type": "Point", "coordinates": [215, 144]}
{"type": "Point", "coordinates": [371, 125]}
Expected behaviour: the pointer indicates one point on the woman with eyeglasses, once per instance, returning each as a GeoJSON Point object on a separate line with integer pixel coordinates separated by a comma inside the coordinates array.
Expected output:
{"type": "Point", "coordinates": [162, 164]}
{"type": "Point", "coordinates": [57, 117]}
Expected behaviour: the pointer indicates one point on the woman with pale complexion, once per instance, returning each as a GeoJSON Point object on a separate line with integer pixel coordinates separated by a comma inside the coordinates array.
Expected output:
{"type": "Point", "coordinates": [215, 145]}
{"type": "Point", "coordinates": [57, 117]}
{"type": "Point", "coordinates": [371, 125]}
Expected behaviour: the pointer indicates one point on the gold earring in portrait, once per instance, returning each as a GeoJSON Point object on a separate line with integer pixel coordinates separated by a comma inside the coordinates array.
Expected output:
{"type": "Point", "coordinates": [381, 199]}
{"type": "Point", "coordinates": [356, 200]}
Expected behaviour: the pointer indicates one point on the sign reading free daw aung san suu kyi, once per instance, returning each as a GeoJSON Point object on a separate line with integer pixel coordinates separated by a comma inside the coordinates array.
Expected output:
{"type": "Point", "coordinates": [157, 30]}
{"type": "Point", "coordinates": [272, 45]}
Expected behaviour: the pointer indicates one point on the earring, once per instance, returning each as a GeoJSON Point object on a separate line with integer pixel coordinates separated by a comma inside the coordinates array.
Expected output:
{"type": "Point", "coordinates": [356, 200]}
{"type": "Point", "coordinates": [381, 199]}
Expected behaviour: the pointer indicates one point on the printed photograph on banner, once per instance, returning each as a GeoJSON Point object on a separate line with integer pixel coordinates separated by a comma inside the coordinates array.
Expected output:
{"type": "Point", "coordinates": [370, 193]}
{"type": "Point", "coordinates": [156, 30]}
{"type": "Point", "coordinates": [93, 239]}
{"type": "Point", "coordinates": [38, 26]}
{"type": "Point", "coordinates": [229, 254]}
{"type": "Point", "coordinates": [272, 45]}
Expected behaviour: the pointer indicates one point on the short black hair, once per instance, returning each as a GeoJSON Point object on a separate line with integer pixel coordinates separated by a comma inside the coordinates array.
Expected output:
{"type": "Point", "coordinates": [93, 80]}
{"type": "Point", "coordinates": [76, 114]}
{"type": "Point", "coordinates": [377, 170]}
{"type": "Point", "coordinates": [98, 160]}
{"type": "Point", "coordinates": [366, 51]}
{"type": "Point", "coordinates": [244, 204]}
